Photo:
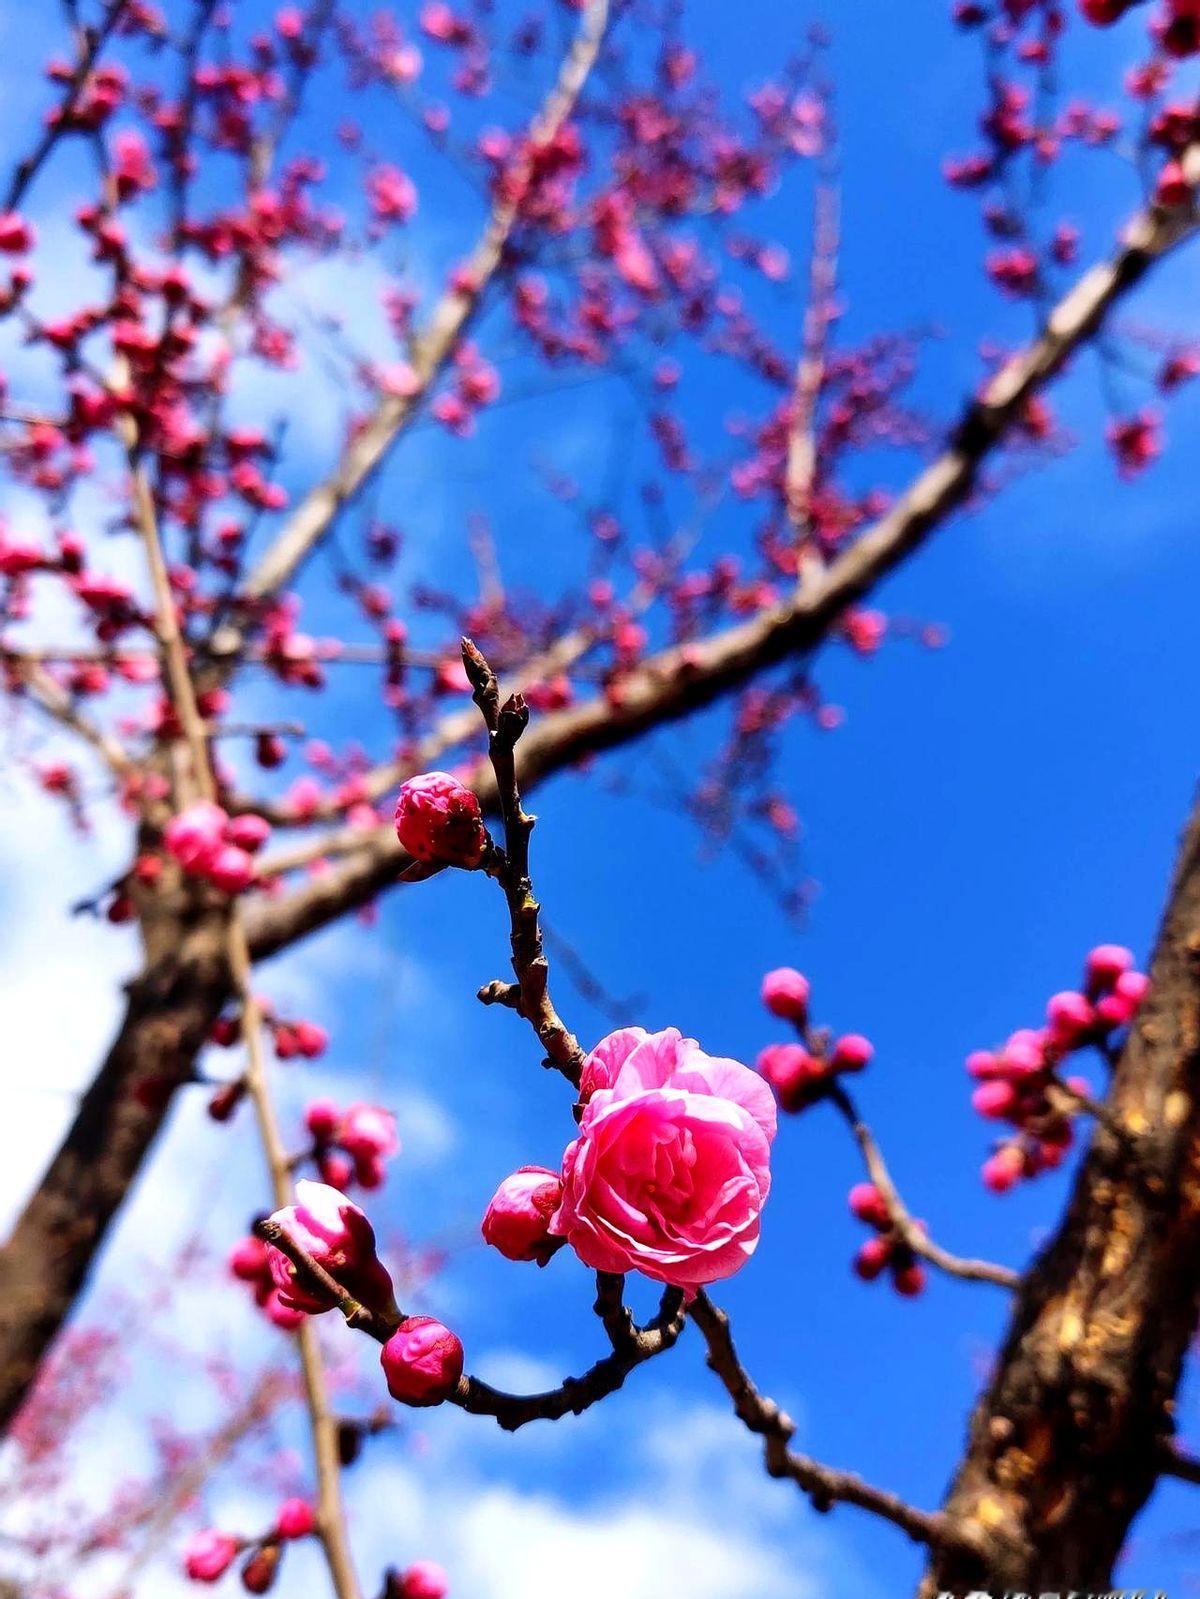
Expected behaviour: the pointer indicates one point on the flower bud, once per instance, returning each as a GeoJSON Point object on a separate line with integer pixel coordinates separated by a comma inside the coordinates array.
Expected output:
{"type": "Point", "coordinates": [792, 1072]}
{"type": "Point", "coordinates": [438, 820]}
{"type": "Point", "coordinates": [909, 1280]}
{"type": "Point", "coordinates": [785, 993]}
{"type": "Point", "coordinates": [368, 1132]}
{"type": "Point", "coordinates": [851, 1053]}
{"type": "Point", "coordinates": [294, 1519]}
{"type": "Point", "coordinates": [195, 835]}
{"type": "Point", "coordinates": [226, 1099]}
{"type": "Point", "coordinates": [248, 1260]}
{"type": "Point", "coordinates": [260, 1571]}
{"type": "Point", "coordinates": [994, 1100]}
{"type": "Point", "coordinates": [517, 1219]}
{"type": "Point", "coordinates": [1001, 1170]}
{"type": "Point", "coordinates": [337, 1235]}
{"type": "Point", "coordinates": [873, 1257]}
{"type": "Point", "coordinates": [422, 1362]}
{"type": "Point", "coordinates": [248, 832]}
{"type": "Point", "coordinates": [209, 1554]}
{"type": "Point", "coordinates": [321, 1118]}
{"type": "Point", "coordinates": [1070, 1017]}
{"type": "Point", "coordinates": [1105, 964]}
{"type": "Point", "coordinates": [423, 1580]}
{"type": "Point", "coordinates": [869, 1205]}
{"type": "Point", "coordinates": [230, 869]}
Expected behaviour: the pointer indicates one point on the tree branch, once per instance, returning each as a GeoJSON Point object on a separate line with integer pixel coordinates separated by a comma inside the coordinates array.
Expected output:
{"type": "Point", "coordinates": [676, 683]}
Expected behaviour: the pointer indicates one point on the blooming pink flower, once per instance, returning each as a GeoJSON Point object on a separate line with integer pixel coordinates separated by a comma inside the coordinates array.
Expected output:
{"type": "Point", "coordinates": [424, 1580]}
{"type": "Point", "coordinates": [422, 1361]}
{"type": "Point", "coordinates": [671, 1168]}
{"type": "Point", "coordinates": [338, 1236]}
{"type": "Point", "coordinates": [785, 993]}
{"type": "Point", "coordinates": [438, 820]}
{"type": "Point", "coordinates": [209, 1555]}
{"type": "Point", "coordinates": [517, 1220]}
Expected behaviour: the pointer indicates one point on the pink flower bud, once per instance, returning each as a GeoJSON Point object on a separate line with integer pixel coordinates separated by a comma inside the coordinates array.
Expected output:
{"type": "Point", "coordinates": [195, 835]}
{"type": "Point", "coordinates": [338, 1236]}
{"type": "Point", "coordinates": [1024, 1054]}
{"type": "Point", "coordinates": [1105, 964]}
{"type": "Point", "coordinates": [869, 1205]}
{"type": "Point", "coordinates": [994, 1100]}
{"type": "Point", "coordinates": [248, 832]}
{"type": "Point", "coordinates": [422, 1362]}
{"type": "Point", "coordinates": [311, 1039]}
{"type": "Point", "coordinates": [982, 1065]}
{"type": "Point", "coordinates": [336, 1169]}
{"type": "Point", "coordinates": [852, 1052]}
{"type": "Point", "coordinates": [909, 1280]}
{"type": "Point", "coordinates": [321, 1118]}
{"type": "Point", "coordinates": [230, 869]}
{"type": "Point", "coordinates": [872, 1258]}
{"type": "Point", "coordinates": [785, 993]}
{"type": "Point", "coordinates": [439, 820]}
{"type": "Point", "coordinates": [1070, 1017]}
{"type": "Point", "coordinates": [517, 1219]}
{"type": "Point", "coordinates": [295, 1519]}
{"type": "Point", "coordinates": [368, 1132]}
{"type": "Point", "coordinates": [1001, 1170]}
{"type": "Point", "coordinates": [1132, 987]}
{"type": "Point", "coordinates": [248, 1260]}
{"type": "Point", "coordinates": [792, 1072]}
{"type": "Point", "coordinates": [209, 1554]}
{"type": "Point", "coordinates": [424, 1580]}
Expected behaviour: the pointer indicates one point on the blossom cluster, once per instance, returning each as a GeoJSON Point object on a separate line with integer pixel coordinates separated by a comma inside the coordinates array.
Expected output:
{"type": "Point", "coordinates": [1019, 1083]}
{"type": "Point", "coordinates": [801, 1072]}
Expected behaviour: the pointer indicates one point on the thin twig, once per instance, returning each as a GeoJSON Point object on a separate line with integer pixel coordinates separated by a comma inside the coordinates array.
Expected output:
{"type": "Point", "coordinates": [824, 1485]}
{"type": "Point", "coordinates": [911, 1233]}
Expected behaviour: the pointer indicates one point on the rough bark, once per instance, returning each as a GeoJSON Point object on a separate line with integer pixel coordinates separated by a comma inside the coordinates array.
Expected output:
{"type": "Point", "coordinates": [1067, 1442]}
{"type": "Point", "coordinates": [169, 1009]}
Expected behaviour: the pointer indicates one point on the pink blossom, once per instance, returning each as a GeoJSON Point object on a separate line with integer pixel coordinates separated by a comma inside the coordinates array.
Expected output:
{"type": "Point", "coordinates": [422, 1361]}
{"type": "Point", "coordinates": [439, 820]}
{"type": "Point", "coordinates": [338, 1236]}
{"type": "Point", "coordinates": [671, 1168]}
{"type": "Point", "coordinates": [517, 1220]}
{"type": "Point", "coordinates": [209, 1555]}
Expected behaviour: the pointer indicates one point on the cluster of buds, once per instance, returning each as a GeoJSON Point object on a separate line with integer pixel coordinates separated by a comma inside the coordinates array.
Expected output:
{"type": "Point", "coordinates": [208, 842]}
{"type": "Point", "coordinates": [439, 822]}
{"type": "Point", "coordinates": [210, 1553]}
{"type": "Point", "coordinates": [1018, 1083]}
{"type": "Point", "coordinates": [887, 1250]}
{"type": "Point", "coordinates": [800, 1073]}
{"type": "Point", "coordinates": [422, 1360]}
{"type": "Point", "coordinates": [351, 1145]}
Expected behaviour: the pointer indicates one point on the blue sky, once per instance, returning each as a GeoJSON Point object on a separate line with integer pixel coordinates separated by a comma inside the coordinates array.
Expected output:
{"type": "Point", "coordinates": [986, 813]}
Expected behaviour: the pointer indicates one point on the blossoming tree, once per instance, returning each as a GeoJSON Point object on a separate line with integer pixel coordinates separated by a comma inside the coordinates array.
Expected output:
{"type": "Point", "coordinates": [152, 572]}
